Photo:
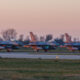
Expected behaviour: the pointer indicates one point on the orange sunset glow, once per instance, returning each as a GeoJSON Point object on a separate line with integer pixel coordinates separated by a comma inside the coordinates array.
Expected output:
{"type": "Point", "coordinates": [41, 16]}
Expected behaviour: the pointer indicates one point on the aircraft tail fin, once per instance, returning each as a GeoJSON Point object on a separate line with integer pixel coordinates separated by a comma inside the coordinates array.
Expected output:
{"type": "Point", "coordinates": [68, 38]}
{"type": "Point", "coordinates": [33, 37]}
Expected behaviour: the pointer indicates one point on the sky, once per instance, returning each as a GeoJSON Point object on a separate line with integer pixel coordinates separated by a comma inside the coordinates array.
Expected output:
{"type": "Point", "coordinates": [42, 17]}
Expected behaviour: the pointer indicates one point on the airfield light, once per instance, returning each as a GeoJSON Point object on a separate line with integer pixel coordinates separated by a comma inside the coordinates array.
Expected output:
{"type": "Point", "coordinates": [57, 57]}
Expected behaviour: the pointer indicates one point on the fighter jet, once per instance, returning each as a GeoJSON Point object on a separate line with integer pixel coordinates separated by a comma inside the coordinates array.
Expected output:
{"type": "Point", "coordinates": [39, 45]}
{"type": "Point", "coordinates": [70, 44]}
{"type": "Point", "coordinates": [8, 45]}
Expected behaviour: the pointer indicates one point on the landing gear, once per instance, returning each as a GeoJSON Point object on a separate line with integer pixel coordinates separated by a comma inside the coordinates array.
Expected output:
{"type": "Point", "coordinates": [37, 50]}
{"type": "Point", "coordinates": [73, 51]}
{"type": "Point", "coordinates": [46, 50]}
{"type": "Point", "coordinates": [9, 50]}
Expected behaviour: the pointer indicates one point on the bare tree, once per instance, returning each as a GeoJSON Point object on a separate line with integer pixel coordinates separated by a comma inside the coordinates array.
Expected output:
{"type": "Point", "coordinates": [42, 38]}
{"type": "Point", "coordinates": [36, 37]}
{"type": "Point", "coordinates": [9, 34]}
{"type": "Point", "coordinates": [21, 37]}
{"type": "Point", "coordinates": [27, 40]}
{"type": "Point", "coordinates": [1, 39]}
{"type": "Point", "coordinates": [48, 37]}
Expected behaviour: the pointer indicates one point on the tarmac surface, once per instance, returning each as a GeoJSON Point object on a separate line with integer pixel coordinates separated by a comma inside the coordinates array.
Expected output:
{"type": "Point", "coordinates": [37, 56]}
